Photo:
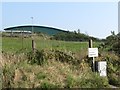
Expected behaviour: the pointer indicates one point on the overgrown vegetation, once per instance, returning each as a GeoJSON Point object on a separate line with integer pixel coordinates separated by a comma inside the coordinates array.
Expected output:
{"type": "Point", "coordinates": [111, 51]}
{"type": "Point", "coordinates": [55, 73]}
{"type": "Point", "coordinates": [73, 36]}
{"type": "Point", "coordinates": [112, 43]}
{"type": "Point", "coordinates": [57, 64]}
{"type": "Point", "coordinates": [41, 57]}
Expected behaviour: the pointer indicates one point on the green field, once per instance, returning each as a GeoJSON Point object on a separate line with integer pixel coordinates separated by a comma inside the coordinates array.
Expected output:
{"type": "Point", "coordinates": [15, 44]}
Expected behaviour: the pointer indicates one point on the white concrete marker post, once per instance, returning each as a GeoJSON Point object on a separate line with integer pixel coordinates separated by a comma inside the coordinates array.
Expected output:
{"type": "Point", "coordinates": [102, 68]}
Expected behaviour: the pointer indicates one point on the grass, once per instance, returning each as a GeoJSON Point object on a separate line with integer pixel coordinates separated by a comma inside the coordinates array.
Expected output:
{"type": "Point", "coordinates": [14, 44]}
{"type": "Point", "coordinates": [52, 74]}
{"type": "Point", "coordinates": [10, 44]}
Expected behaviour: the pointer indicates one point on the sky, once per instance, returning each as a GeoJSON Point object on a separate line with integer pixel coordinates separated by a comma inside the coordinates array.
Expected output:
{"type": "Point", "coordinates": [96, 19]}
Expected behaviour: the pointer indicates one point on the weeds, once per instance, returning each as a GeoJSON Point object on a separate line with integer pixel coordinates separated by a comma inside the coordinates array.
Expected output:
{"type": "Point", "coordinates": [56, 74]}
{"type": "Point", "coordinates": [48, 85]}
{"type": "Point", "coordinates": [41, 57]}
{"type": "Point", "coordinates": [37, 57]}
{"type": "Point", "coordinates": [41, 75]}
{"type": "Point", "coordinates": [55, 67]}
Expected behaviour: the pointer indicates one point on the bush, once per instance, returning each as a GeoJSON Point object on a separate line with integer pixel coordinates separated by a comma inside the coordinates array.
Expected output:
{"type": "Point", "coordinates": [41, 57]}
{"type": "Point", "coordinates": [114, 80]}
{"type": "Point", "coordinates": [65, 57]}
{"type": "Point", "coordinates": [36, 57]}
{"type": "Point", "coordinates": [113, 69]}
{"type": "Point", "coordinates": [112, 43]}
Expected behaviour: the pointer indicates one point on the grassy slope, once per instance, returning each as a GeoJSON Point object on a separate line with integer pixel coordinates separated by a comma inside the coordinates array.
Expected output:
{"type": "Point", "coordinates": [17, 72]}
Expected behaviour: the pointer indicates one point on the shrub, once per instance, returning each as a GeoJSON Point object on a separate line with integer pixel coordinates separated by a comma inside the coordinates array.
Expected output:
{"type": "Point", "coordinates": [65, 57]}
{"type": "Point", "coordinates": [113, 69]}
{"type": "Point", "coordinates": [36, 57]}
{"type": "Point", "coordinates": [40, 57]}
{"type": "Point", "coordinates": [114, 79]}
{"type": "Point", "coordinates": [112, 43]}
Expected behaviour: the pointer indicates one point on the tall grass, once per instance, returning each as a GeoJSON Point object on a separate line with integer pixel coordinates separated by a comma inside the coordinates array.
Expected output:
{"type": "Point", "coordinates": [18, 73]}
{"type": "Point", "coordinates": [56, 64]}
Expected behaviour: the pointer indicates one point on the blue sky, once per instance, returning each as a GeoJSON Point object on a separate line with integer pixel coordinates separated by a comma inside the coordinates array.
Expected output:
{"type": "Point", "coordinates": [93, 18]}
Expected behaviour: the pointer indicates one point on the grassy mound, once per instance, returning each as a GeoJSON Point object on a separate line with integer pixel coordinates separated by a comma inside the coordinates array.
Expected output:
{"type": "Point", "coordinates": [49, 69]}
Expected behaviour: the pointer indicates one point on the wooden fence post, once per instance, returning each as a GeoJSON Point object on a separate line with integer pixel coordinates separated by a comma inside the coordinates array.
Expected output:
{"type": "Point", "coordinates": [33, 45]}
{"type": "Point", "coordinates": [90, 43]}
{"type": "Point", "coordinates": [93, 61]}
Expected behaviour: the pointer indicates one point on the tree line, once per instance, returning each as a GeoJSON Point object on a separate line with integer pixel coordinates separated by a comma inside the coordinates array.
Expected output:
{"type": "Point", "coordinates": [73, 36]}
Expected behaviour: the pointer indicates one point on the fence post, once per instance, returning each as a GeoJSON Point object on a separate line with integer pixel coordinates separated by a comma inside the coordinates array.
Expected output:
{"type": "Point", "coordinates": [93, 58]}
{"type": "Point", "coordinates": [33, 45]}
{"type": "Point", "coordinates": [90, 43]}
